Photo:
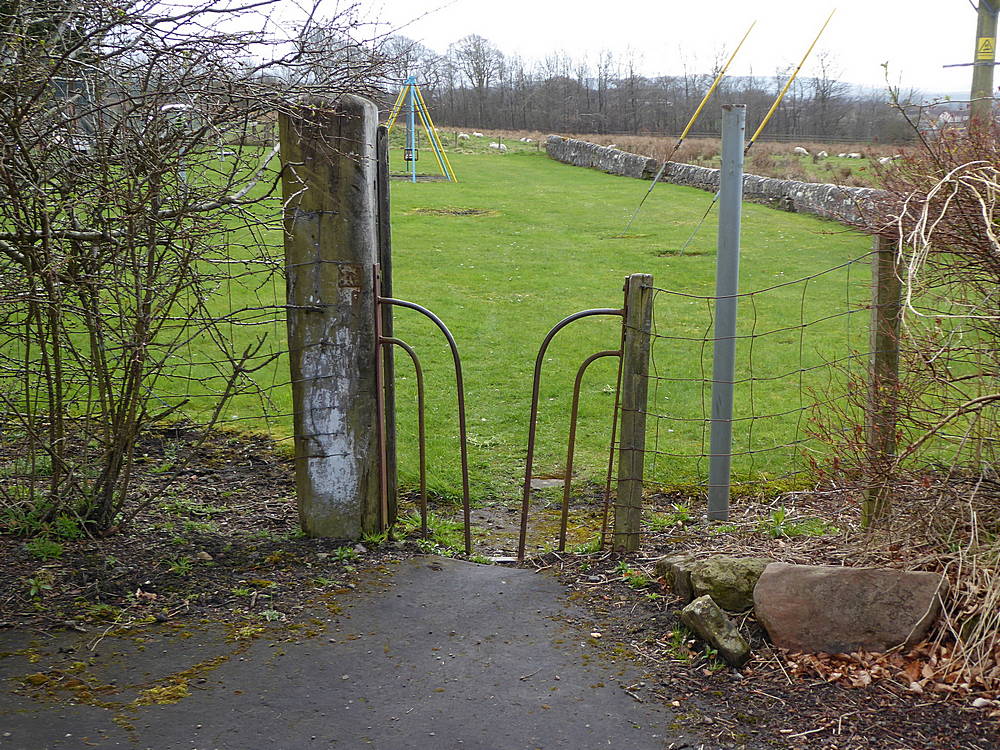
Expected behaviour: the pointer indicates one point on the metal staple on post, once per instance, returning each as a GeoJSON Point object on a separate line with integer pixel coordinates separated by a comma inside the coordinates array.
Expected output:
{"type": "Point", "coordinates": [726, 290]}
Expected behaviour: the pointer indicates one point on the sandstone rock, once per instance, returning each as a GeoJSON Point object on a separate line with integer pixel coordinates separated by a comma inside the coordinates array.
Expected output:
{"type": "Point", "coordinates": [676, 569]}
{"type": "Point", "coordinates": [840, 610]}
{"type": "Point", "coordinates": [728, 580]}
{"type": "Point", "coordinates": [706, 619]}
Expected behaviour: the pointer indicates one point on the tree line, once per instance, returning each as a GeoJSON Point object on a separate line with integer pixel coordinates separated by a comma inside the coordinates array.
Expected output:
{"type": "Point", "coordinates": [473, 84]}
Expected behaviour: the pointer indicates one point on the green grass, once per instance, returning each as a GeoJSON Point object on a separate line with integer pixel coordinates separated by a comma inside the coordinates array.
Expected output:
{"type": "Point", "coordinates": [546, 245]}
{"type": "Point", "coordinates": [501, 281]}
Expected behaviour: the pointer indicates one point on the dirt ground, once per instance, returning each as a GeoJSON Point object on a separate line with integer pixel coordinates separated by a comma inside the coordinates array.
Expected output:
{"type": "Point", "coordinates": [223, 544]}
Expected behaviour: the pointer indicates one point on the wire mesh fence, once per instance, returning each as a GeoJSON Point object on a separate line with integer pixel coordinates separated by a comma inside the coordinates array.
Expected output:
{"type": "Point", "coordinates": [800, 342]}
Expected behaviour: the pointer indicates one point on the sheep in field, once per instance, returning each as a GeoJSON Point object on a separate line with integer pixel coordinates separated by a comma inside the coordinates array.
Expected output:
{"type": "Point", "coordinates": [854, 155]}
{"type": "Point", "coordinates": [822, 155]}
{"type": "Point", "coordinates": [885, 160]}
{"type": "Point", "coordinates": [501, 147]}
{"type": "Point", "coordinates": [800, 151]}
{"type": "Point", "coordinates": [463, 136]}
{"type": "Point", "coordinates": [478, 135]}
{"type": "Point", "coordinates": [841, 156]}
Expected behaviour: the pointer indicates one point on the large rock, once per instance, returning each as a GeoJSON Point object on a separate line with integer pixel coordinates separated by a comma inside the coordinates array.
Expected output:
{"type": "Point", "coordinates": [840, 610]}
{"type": "Point", "coordinates": [676, 571]}
{"type": "Point", "coordinates": [706, 619]}
{"type": "Point", "coordinates": [728, 580]}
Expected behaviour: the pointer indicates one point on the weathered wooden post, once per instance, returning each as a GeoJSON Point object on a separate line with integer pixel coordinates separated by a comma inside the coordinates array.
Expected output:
{"type": "Point", "coordinates": [331, 246]}
{"type": "Point", "coordinates": [883, 378]}
{"type": "Point", "coordinates": [635, 380]}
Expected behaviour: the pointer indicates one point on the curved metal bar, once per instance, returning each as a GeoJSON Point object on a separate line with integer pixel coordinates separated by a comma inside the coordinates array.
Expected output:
{"type": "Point", "coordinates": [532, 424]}
{"type": "Point", "coordinates": [563, 522]}
{"type": "Point", "coordinates": [421, 431]}
{"type": "Point", "coordinates": [461, 407]}
{"type": "Point", "coordinates": [611, 450]}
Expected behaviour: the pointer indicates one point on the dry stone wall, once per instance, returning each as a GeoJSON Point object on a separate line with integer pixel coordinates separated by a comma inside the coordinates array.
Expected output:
{"type": "Point", "coordinates": [837, 202]}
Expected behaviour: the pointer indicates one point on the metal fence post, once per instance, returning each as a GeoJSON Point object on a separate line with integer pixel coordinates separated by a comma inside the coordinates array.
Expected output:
{"type": "Point", "coordinates": [635, 380]}
{"type": "Point", "coordinates": [331, 245]}
{"type": "Point", "coordinates": [727, 275]}
{"type": "Point", "coordinates": [389, 365]}
{"type": "Point", "coordinates": [883, 379]}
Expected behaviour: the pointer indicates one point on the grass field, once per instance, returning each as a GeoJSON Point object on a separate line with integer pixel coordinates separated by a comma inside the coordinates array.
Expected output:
{"type": "Point", "coordinates": [547, 248]}
{"type": "Point", "coordinates": [522, 241]}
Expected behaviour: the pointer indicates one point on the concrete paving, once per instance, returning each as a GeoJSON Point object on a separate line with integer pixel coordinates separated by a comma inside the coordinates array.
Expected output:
{"type": "Point", "coordinates": [437, 653]}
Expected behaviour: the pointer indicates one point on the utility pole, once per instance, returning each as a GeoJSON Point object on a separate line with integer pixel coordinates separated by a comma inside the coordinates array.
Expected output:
{"type": "Point", "coordinates": [981, 108]}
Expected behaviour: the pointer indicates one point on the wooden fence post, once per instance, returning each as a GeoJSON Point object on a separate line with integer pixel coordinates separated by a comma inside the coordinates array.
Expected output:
{"type": "Point", "coordinates": [883, 378]}
{"type": "Point", "coordinates": [635, 380]}
{"type": "Point", "coordinates": [331, 245]}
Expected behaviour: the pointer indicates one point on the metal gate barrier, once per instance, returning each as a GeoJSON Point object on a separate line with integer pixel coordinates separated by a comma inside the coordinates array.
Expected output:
{"type": "Point", "coordinates": [634, 286]}
{"type": "Point", "coordinates": [384, 341]}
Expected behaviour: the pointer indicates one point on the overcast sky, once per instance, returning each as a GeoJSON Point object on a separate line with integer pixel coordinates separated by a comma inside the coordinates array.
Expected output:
{"type": "Point", "coordinates": [916, 37]}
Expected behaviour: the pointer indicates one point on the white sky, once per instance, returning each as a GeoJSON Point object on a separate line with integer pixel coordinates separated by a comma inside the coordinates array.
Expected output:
{"type": "Point", "coordinates": [916, 37]}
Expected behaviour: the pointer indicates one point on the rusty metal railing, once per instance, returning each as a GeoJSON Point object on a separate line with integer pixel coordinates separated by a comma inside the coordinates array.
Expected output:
{"type": "Point", "coordinates": [533, 423]}
{"type": "Point", "coordinates": [421, 429]}
{"type": "Point", "coordinates": [460, 387]}
{"type": "Point", "coordinates": [574, 412]}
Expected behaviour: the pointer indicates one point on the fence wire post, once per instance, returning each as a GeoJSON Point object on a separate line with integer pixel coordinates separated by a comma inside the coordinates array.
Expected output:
{"type": "Point", "coordinates": [883, 379]}
{"type": "Point", "coordinates": [331, 245]}
{"type": "Point", "coordinates": [635, 380]}
{"type": "Point", "coordinates": [388, 362]}
{"type": "Point", "coordinates": [727, 275]}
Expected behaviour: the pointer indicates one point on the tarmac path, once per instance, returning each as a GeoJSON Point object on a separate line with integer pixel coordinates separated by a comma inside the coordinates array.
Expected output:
{"type": "Point", "coordinates": [439, 654]}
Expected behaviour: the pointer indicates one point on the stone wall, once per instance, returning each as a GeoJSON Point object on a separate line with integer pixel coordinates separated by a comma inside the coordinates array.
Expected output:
{"type": "Point", "coordinates": [837, 202]}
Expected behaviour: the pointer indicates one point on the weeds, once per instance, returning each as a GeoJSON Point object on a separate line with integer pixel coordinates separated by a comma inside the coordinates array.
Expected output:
{"type": "Point", "coordinates": [44, 549]}
{"type": "Point", "coordinates": [679, 515]}
{"type": "Point", "coordinates": [345, 554]}
{"type": "Point", "coordinates": [40, 583]}
{"type": "Point", "coordinates": [778, 524]}
{"type": "Point", "coordinates": [182, 566]}
{"type": "Point", "coordinates": [443, 534]}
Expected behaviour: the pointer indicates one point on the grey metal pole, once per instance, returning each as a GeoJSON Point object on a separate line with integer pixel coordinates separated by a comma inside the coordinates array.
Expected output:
{"type": "Point", "coordinates": [727, 274]}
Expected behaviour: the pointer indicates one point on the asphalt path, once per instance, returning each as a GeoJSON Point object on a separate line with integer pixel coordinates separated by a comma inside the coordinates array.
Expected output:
{"type": "Point", "coordinates": [437, 653]}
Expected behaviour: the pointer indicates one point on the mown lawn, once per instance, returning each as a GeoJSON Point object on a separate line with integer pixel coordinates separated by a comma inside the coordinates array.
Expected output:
{"type": "Point", "coordinates": [546, 249]}
{"type": "Point", "coordinates": [545, 246]}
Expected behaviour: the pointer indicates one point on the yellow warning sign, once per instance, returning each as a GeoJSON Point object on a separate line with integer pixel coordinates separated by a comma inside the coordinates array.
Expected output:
{"type": "Point", "coordinates": [986, 47]}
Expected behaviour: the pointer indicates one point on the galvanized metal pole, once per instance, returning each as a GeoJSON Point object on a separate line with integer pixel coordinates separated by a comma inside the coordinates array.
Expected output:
{"type": "Point", "coordinates": [634, 390]}
{"type": "Point", "coordinates": [331, 245]}
{"type": "Point", "coordinates": [727, 274]}
{"type": "Point", "coordinates": [982, 69]}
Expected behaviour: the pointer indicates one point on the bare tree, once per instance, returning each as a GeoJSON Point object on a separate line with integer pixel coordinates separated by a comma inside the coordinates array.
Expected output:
{"type": "Point", "coordinates": [131, 195]}
{"type": "Point", "coordinates": [479, 61]}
